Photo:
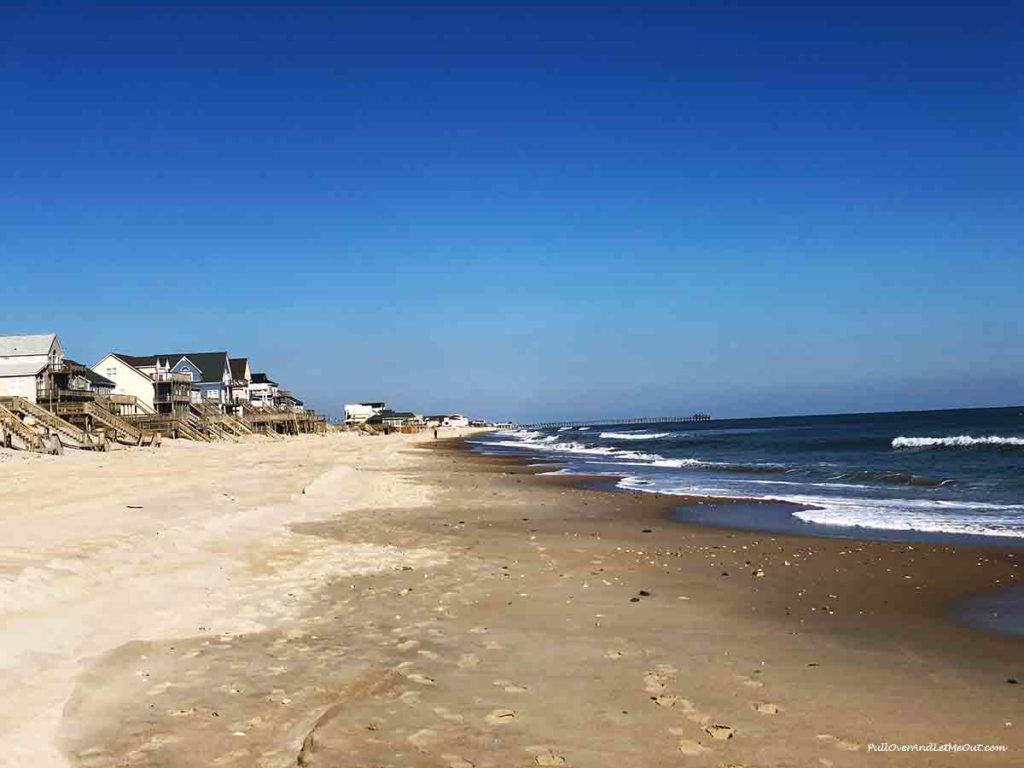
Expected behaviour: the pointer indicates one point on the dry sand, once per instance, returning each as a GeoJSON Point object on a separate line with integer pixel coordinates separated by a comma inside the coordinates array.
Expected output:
{"type": "Point", "coordinates": [359, 601]}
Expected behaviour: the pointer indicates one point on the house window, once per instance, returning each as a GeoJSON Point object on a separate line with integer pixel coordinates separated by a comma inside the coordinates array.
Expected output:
{"type": "Point", "coordinates": [111, 373]}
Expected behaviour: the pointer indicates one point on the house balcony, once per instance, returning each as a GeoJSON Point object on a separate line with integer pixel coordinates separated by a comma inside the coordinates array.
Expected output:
{"type": "Point", "coordinates": [172, 398]}
{"type": "Point", "coordinates": [180, 378]}
{"type": "Point", "coordinates": [60, 394]}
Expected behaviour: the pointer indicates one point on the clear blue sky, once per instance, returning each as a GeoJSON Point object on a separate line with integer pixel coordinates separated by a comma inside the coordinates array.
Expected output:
{"type": "Point", "coordinates": [532, 210]}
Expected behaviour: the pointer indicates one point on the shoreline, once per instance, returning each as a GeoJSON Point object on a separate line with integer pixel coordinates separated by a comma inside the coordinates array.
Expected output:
{"type": "Point", "coordinates": [996, 609]}
{"type": "Point", "coordinates": [392, 601]}
{"type": "Point", "coordinates": [789, 525]}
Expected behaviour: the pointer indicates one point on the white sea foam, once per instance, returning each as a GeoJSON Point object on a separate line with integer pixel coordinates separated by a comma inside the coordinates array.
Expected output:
{"type": "Point", "coordinates": [547, 443]}
{"type": "Point", "coordinates": [633, 435]}
{"type": "Point", "coordinates": [922, 515]}
{"type": "Point", "coordinates": [927, 516]}
{"type": "Point", "coordinates": [956, 441]}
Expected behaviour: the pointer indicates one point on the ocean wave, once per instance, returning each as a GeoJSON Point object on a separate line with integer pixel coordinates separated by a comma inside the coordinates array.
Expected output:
{"type": "Point", "coordinates": [575, 448]}
{"type": "Point", "coordinates": [920, 515]}
{"type": "Point", "coordinates": [538, 441]}
{"type": "Point", "coordinates": [893, 477]}
{"type": "Point", "coordinates": [633, 435]}
{"type": "Point", "coordinates": [957, 441]}
{"type": "Point", "coordinates": [964, 518]}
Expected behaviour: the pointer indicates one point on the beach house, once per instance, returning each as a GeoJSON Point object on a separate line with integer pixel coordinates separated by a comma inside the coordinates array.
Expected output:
{"type": "Point", "coordinates": [262, 391]}
{"type": "Point", "coordinates": [241, 381]}
{"type": "Point", "coordinates": [209, 372]}
{"type": "Point", "coordinates": [395, 419]}
{"type": "Point", "coordinates": [448, 420]}
{"type": "Point", "coordinates": [81, 378]}
{"type": "Point", "coordinates": [128, 379]}
{"type": "Point", "coordinates": [287, 401]}
{"type": "Point", "coordinates": [357, 413]}
{"type": "Point", "coordinates": [28, 363]}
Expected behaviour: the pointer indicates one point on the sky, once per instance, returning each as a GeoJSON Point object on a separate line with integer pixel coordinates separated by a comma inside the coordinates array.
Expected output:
{"type": "Point", "coordinates": [527, 211]}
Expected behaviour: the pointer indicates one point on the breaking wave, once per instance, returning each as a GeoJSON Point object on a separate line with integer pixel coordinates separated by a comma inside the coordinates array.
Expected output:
{"type": "Point", "coordinates": [550, 444]}
{"type": "Point", "coordinates": [918, 515]}
{"type": "Point", "coordinates": [957, 441]}
{"type": "Point", "coordinates": [633, 435]}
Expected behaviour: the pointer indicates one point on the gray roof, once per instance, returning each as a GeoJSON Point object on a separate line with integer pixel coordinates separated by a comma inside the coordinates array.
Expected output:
{"type": "Point", "coordinates": [210, 364]}
{"type": "Point", "coordinates": [27, 344]}
{"type": "Point", "coordinates": [238, 366]}
{"type": "Point", "coordinates": [135, 360]}
{"type": "Point", "coordinates": [20, 368]}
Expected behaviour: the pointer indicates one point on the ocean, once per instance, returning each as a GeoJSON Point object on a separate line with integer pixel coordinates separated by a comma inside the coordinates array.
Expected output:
{"type": "Point", "coordinates": [920, 474]}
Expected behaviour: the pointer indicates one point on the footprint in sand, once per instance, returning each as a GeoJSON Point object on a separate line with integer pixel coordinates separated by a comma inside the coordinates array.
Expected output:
{"type": "Point", "coordinates": [500, 716]}
{"type": "Point", "coordinates": [410, 698]}
{"type": "Point", "coordinates": [509, 687]}
{"type": "Point", "coordinates": [691, 748]}
{"type": "Point", "coordinates": [750, 682]}
{"type": "Point", "coordinates": [549, 759]}
{"type": "Point", "coordinates": [423, 739]}
{"type": "Point", "coordinates": [446, 714]}
{"type": "Point", "coordinates": [655, 680]}
{"type": "Point", "coordinates": [848, 746]}
{"type": "Point", "coordinates": [456, 761]}
{"type": "Point", "coordinates": [688, 708]}
{"type": "Point", "coordinates": [545, 755]}
{"type": "Point", "coordinates": [614, 654]}
{"type": "Point", "coordinates": [419, 679]}
{"type": "Point", "coordinates": [766, 708]}
{"type": "Point", "coordinates": [719, 732]}
{"type": "Point", "coordinates": [469, 661]}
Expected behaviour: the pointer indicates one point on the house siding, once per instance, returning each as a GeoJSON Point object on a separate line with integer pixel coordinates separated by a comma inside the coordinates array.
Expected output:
{"type": "Point", "coordinates": [127, 380]}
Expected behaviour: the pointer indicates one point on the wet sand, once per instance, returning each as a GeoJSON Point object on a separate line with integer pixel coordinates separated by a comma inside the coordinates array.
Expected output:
{"type": "Point", "coordinates": [347, 601]}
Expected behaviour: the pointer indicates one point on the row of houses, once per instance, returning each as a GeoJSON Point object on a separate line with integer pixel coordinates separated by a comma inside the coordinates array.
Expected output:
{"type": "Point", "coordinates": [167, 383]}
{"type": "Point", "coordinates": [200, 395]}
{"type": "Point", "coordinates": [377, 414]}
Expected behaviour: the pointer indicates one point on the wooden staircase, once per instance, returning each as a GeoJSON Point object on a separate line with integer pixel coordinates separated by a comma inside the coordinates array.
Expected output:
{"type": "Point", "coordinates": [90, 415]}
{"type": "Point", "coordinates": [201, 422]}
{"type": "Point", "coordinates": [14, 433]}
{"type": "Point", "coordinates": [225, 422]}
{"type": "Point", "coordinates": [68, 433]}
{"type": "Point", "coordinates": [168, 425]}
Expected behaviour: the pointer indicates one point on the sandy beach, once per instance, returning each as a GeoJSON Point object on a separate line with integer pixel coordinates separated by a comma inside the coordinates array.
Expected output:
{"type": "Point", "coordinates": [392, 601]}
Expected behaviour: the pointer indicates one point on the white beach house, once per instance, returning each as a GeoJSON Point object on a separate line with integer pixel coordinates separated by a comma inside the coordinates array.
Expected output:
{"type": "Point", "coordinates": [241, 380]}
{"type": "Point", "coordinates": [128, 379]}
{"type": "Point", "coordinates": [26, 361]}
{"type": "Point", "coordinates": [358, 413]}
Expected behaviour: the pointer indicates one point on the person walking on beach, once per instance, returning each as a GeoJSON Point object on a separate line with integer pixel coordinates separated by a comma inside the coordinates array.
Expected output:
{"type": "Point", "coordinates": [435, 433]}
